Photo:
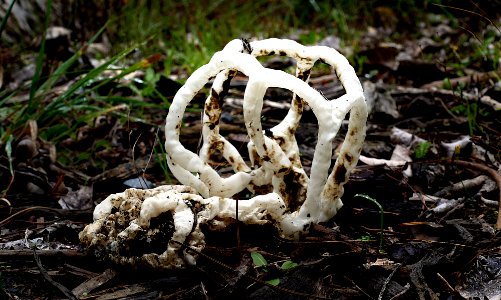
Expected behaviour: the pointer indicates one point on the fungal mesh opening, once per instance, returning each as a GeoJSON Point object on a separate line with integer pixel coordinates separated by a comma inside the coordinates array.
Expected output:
{"type": "Point", "coordinates": [276, 104]}
{"type": "Point", "coordinates": [278, 95]}
{"type": "Point", "coordinates": [216, 159]}
{"type": "Point", "coordinates": [338, 142]}
{"type": "Point", "coordinates": [282, 63]}
{"type": "Point", "coordinates": [191, 126]}
{"type": "Point", "coordinates": [220, 164]}
{"type": "Point", "coordinates": [258, 190]}
{"type": "Point", "coordinates": [231, 99]}
{"type": "Point", "coordinates": [306, 137]}
{"type": "Point", "coordinates": [326, 81]}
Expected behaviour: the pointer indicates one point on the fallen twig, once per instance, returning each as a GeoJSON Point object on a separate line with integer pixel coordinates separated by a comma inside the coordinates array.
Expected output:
{"type": "Point", "coordinates": [487, 100]}
{"type": "Point", "coordinates": [21, 212]}
{"type": "Point", "coordinates": [42, 208]}
{"type": "Point", "coordinates": [406, 288]}
{"type": "Point", "coordinates": [59, 286]}
{"type": "Point", "coordinates": [461, 186]}
{"type": "Point", "coordinates": [385, 284]}
{"type": "Point", "coordinates": [464, 80]}
{"type": "Point", "coordinates": [81, 272]}
{"type": "Point", "coordinates": [446, 283]}
{"type": "Point", "coordinates": [94, 282]}
{"type": "Point", "coordinates": [358, 288]}
{"type": "Point", "coordinates": [482, 168]}
{"type": "Point", "coordinates": [492, 173]}
{"type": "Point", "coordinates": [18, 253]}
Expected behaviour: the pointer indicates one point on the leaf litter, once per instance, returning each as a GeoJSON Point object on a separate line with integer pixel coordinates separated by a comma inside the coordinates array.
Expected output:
{"type": "Point", "coordinates": [440, 202]}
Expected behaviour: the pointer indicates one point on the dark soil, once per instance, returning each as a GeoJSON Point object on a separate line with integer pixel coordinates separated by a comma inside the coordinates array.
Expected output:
{"type": "Point", "coordinates": [418, 252]}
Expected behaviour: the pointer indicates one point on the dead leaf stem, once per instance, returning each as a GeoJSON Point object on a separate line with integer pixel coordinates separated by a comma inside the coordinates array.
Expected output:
{"type": "Point", "coordinates": [491, 172]}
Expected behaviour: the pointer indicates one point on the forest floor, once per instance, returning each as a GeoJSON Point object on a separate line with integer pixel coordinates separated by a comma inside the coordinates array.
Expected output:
{"type": "Point", "coordinates": [434, 125]}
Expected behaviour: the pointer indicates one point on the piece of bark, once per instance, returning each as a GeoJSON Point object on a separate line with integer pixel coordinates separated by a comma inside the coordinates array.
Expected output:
{"type": "Point", "coordinates": [93, 283]}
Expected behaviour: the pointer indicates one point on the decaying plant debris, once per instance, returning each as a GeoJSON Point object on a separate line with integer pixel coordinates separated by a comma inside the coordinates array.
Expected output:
{"type": "Point", "coordinates": [433, 124]}
{"type": "Point", "coordinates": [126, 218]}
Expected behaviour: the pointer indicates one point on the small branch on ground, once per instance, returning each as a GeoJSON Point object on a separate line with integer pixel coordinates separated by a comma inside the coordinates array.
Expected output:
{"type": "Point", "coordinates": [492, 173]}
{"type": "Point", "coordinates": [59, 286]}
{"type": "Point", "coordinates": [5, 254]}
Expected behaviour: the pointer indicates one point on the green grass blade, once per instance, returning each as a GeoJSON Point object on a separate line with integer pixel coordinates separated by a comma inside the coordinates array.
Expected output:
{"type": "Point", "coordinates": [61, 70]}
{"type": "Point", "coordinates": [6, 95]}
{"type": "Point", "coordinates": [7, 14]}
{"type": "Point", "coordinates": [162, 158]}
{"type": "Point", "coordinates": [52, 109]}
{"type": "Point", "coordinates": [40, 58]}
{"type": "Point", "coordinates": [129, 101]}
{"type": "Point", "coordinates": [8, 151]}
{"type": "Point", "coordinates": [381, 212]}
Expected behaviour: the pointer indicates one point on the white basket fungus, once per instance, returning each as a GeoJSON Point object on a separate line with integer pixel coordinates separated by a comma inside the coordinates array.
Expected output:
{"type": "Point", "coordinates": [124, 221]}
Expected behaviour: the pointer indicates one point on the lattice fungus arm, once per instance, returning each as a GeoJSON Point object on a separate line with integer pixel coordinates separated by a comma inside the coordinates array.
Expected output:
{"type": "Point", "coordinates": [160, 216]}
{"type": "Point", "coordinates": [322, 197]}
{"type": "Point", "coordinates": [284, 132]}
{"type": "Point", "coordinates": [212, 140]}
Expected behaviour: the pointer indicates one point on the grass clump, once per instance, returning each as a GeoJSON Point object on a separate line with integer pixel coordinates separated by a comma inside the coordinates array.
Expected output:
{"type": "Point", "coordinates": [189, 32]}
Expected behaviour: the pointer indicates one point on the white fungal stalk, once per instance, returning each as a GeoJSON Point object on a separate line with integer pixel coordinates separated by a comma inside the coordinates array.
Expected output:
{"type": "Point", "coordinates": [275, 161]}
